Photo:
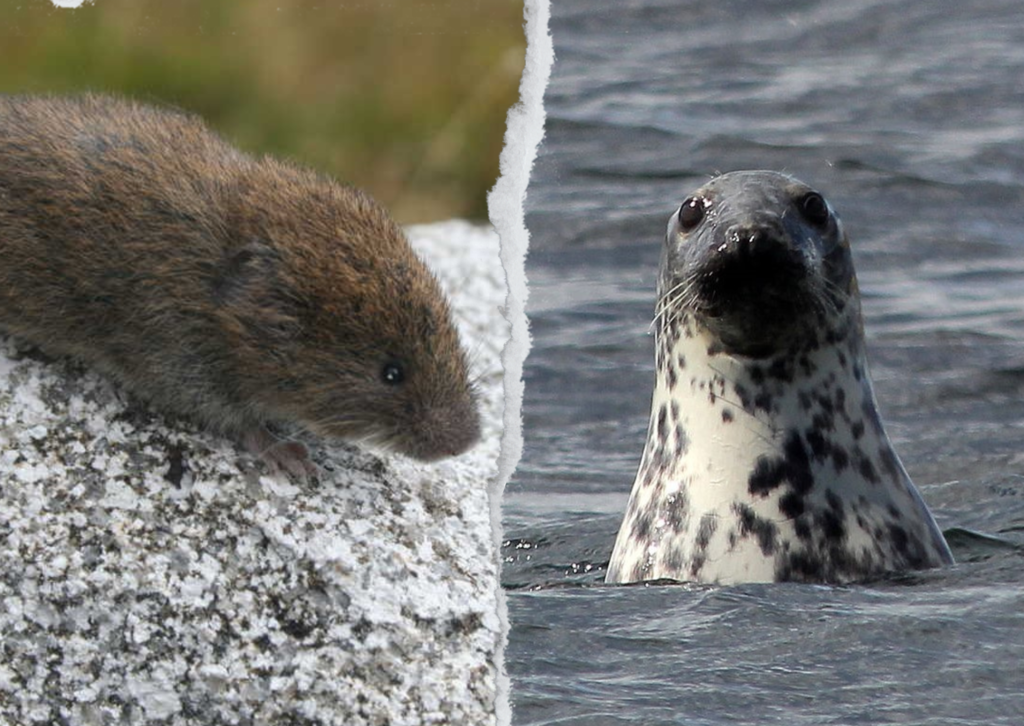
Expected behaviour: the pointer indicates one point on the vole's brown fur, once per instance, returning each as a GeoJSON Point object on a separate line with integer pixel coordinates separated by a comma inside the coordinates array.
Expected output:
{"type": "Point", "coordinates": [238, 290]}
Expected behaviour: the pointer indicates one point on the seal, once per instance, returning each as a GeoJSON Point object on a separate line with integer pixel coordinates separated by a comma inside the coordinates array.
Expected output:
{"type": "Point", "coordinates": [766, 459]}
{"type": "Point", "coordinates": [243, 292]}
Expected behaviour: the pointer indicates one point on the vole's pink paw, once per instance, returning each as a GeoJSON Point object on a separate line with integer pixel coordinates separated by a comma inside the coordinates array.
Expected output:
{"type": "Point", "coordinates": [291, 457]}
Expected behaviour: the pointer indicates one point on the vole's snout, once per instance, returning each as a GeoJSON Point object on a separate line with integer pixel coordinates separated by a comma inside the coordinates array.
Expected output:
{"type": "Point", "coordinates": [445, 432]}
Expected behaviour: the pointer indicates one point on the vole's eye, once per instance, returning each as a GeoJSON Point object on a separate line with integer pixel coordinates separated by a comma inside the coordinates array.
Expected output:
{"type": "Point", "coordinates": [814, 209]}
{"type": "Point", "coordinates": [392, 373]}
{"type": "Point", "coordinates": [691, 213]}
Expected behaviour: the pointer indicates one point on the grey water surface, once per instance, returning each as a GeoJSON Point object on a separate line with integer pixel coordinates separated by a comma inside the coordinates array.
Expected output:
{"type": "Point", "coordinates": [909, 117]}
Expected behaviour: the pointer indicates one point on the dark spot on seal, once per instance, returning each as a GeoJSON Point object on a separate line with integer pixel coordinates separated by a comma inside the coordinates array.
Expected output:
{"type": "Point", "coordinates": [820, 447]}
{"type": "Point", "coordinates": [823, 421]}
{"type": "Point", "coordinates": [867, 470]}
{"type": "Point", "coordinates": [802, 528]}
{"type": "Point", "coordinates": [794, 466]}
{"type": "Point", "coordinates": [682, 442]}
{"type": "Point", "coordinates": [889, 463]}
{"type": "Point", "coordinates": [708, 525]}
{"type": "Point", "coordinates": [641, 530]}
{"type": "Point", "coordinates": [766, 477]}
{"type": "Point", "coordinates": [697, 564]}
{"type": "Point", "coordinates": [900, 540]}
{"type": "Point", "coordinates": [674, 559]}
{"type": "Point", "coordinates": [831, 520]}
{"type": "Point", "coordinates": [727, 415]}
{"type": "Point", "coordinates": [841, 401]}
{"type": "Point", "coordinates": [744, 396]}
{"type": "Point", "coordinates": [840, 459]}
{"type": "Point", "coordinates": [660, 460]}
{"type": "Point", "coordinates": [763, 401]}
{"type": "Point", "coordinates": [781, 369]}
{"type": "Point", "coordinates": [792, 506]}
{"type": "Point", "coordinates": [676, 512]}
{"type": "Point", "coordinates": [801, 565]}
{"type": "Point", "coordinates": [764, 530]}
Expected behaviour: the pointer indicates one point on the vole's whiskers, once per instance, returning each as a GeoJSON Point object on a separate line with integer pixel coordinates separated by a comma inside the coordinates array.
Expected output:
{"type": "Point", "coordinates": [344, 423]}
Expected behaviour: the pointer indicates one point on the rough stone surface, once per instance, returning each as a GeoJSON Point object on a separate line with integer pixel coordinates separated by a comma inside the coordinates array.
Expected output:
{"type": "Point", "coordinates": [152, 573]}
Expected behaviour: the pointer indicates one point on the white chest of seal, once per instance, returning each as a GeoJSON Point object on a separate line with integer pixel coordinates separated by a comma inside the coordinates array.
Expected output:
{"type": "Point", "coordinates": [766, 459]}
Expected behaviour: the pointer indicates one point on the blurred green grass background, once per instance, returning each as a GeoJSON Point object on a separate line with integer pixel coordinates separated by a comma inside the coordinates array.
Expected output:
{"type": "Point", "coordinates": [406, 99]}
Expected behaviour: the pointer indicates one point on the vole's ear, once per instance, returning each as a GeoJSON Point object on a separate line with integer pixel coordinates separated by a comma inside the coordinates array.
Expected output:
{"type": "Point", "coordinates": [250, 289]}
{"type": "Point", "coordinates": [244, 270]}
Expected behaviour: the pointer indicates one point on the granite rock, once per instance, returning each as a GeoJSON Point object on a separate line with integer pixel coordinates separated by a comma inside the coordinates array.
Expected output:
{"type": "Point", "coordinates": [153, 573]}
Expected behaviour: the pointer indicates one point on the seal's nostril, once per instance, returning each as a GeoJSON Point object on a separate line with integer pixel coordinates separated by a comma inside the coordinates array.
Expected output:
{"type": "Point", "coordinates": [745, 242]}
{"type": "Point", "coordinates": [757, 240]}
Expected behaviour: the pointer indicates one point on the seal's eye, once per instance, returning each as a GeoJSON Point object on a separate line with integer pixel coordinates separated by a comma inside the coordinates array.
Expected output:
{"type": "Point", "coordinates": [392, 373]}
{"type": "Point", "coordinates": [691, 213]}
{"type": "Point", "coordinates": [814, 209]}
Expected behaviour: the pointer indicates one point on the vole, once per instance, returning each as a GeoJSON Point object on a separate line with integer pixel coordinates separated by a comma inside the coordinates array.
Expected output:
{"type": "Point", "coordinates": [237, 290]}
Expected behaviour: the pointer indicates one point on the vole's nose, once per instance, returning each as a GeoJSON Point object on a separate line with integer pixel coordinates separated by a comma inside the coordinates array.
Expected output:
{"type": "Point", "coordinates": [446, 431]}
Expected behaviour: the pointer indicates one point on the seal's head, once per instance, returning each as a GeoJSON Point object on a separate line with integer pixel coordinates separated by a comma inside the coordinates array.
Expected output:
{"type": "Point", "coordinates": [759, 261]}
{"type": "Point", "coordinates": [766, 458]}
